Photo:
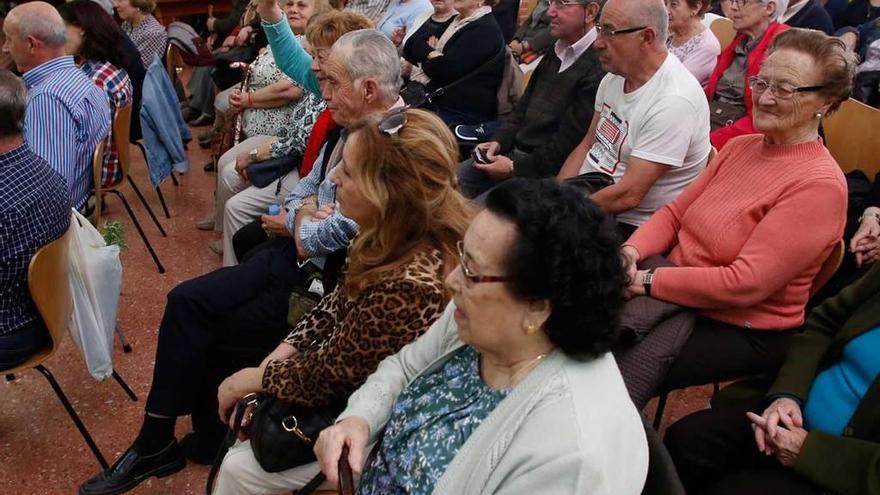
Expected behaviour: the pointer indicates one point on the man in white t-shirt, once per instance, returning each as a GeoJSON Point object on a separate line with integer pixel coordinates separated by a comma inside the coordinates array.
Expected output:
{"type": "Point", "coordinates": [650, 128]}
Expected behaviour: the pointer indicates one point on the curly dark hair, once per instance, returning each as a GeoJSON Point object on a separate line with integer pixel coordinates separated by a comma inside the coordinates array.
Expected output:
{"type": "Point", "coordinates": [567, 251]}
{"type": "Point", "coordinates": [103, 37]}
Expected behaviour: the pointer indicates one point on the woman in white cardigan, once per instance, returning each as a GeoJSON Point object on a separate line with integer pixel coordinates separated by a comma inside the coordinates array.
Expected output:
{"type": "Point", "coordinates": [513, 390]}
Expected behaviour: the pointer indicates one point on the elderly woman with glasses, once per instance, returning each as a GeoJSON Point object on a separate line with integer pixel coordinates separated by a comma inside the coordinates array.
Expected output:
{"type": "Point", "coordinates": [512, 390]}
{"type": "Point", "coordinates": [748, 237]}
{"type": "Point", "coordinates": [728, 90]}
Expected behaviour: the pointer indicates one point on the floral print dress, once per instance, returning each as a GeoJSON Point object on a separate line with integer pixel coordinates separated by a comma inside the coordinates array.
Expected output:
{"type": "Point", "coordinates": [429, 423]}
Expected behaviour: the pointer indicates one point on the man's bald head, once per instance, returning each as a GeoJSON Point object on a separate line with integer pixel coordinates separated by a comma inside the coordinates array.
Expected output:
{"type": "Point", "coordinates": [40, 21]}
{"type": "Point", "coordinates": [35, 34]}
{"type": "Point", "coordinates": [649, 13]}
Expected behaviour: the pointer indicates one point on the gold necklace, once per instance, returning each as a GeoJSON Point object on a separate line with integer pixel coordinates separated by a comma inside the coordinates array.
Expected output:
{"type": "Point", "coordinates": [514, 379]}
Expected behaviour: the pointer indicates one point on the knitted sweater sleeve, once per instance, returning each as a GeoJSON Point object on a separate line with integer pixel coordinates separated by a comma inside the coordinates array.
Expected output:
{"type": "Point", "coordinates": [777, 250]}
{"type": "Point", "coordinates": [660, 233]}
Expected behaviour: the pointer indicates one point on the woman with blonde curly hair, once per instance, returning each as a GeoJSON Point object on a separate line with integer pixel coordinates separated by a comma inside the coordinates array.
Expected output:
{"type": "Point", "coordinates": [397, 181]}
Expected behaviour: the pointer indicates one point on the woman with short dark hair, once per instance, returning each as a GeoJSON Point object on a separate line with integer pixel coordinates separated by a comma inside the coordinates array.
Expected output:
{"type": "Point", "coordinates": [513, 390]}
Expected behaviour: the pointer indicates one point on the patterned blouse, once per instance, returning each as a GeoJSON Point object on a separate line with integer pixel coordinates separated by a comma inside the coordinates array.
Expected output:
{"type": "Point", "coordinates": [429, 423]}
{"type": "Point", "coordinates": [149, 37]}
{"type": "Point", "coordinates": [291, 123]}
{"type": "Point", "coordinates": [342, 340]}
{"type": "Point", "coordinates": [116, 83]}
{"type": "Point", "coordinates": [698, 54]}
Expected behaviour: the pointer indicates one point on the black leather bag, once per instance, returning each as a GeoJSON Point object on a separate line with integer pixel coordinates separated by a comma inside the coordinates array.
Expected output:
{"type": "Point", "coordinates": [590, 182]}
{"type": "Point", "coordinates": [282, 434]}
{"type": "Point", "coordinates": [722, 114]}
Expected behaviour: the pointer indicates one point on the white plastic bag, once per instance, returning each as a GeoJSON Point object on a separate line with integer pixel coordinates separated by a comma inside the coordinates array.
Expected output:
{"type": "Point", "coordinates": [95, 282]}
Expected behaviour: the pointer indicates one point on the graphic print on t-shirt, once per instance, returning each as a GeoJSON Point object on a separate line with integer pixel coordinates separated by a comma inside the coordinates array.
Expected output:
{"type": "Point", "coordinates": [611, 133]}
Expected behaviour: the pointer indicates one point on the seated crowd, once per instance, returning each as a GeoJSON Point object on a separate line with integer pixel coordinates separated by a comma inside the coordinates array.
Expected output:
{"type": "Point", "coordinates": [483, 295]}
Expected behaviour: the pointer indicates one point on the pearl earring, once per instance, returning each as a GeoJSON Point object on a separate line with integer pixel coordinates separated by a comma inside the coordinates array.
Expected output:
{"type": "Point", "coordinates": [818, 115]}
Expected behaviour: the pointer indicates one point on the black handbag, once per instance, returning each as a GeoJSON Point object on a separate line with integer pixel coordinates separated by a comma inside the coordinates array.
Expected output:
{"type": "Point", "coordinates": [282, 434]}
{"type": "Point", "coordinates": [263, 173]}
{"type": "Point", "coordinates": [591, 182]}
{"type": "Point", "coordinates": [722, 114]}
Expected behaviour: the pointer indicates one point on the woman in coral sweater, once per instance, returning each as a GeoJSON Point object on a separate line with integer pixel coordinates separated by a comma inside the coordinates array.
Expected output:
{"type": "Point", "coordinates": [748, 237]}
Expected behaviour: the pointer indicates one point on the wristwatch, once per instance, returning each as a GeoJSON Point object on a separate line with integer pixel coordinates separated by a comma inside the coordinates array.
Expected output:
{"type": "Point", "coordinates": [647, 279]}
{"type": "Point", "coordinates": [253, 154]}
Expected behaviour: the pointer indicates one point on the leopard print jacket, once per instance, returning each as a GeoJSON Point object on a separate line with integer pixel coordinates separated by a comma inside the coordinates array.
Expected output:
{"type": "Point", "coordinates": [342, 340]}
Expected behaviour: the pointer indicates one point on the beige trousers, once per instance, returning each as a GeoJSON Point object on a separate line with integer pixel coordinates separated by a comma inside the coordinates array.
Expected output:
{"type": "Point", "coordinates": [241, 474]}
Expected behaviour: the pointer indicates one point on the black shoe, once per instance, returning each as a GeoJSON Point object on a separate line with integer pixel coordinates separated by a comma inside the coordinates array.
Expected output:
{"type": "Point", "coordinates": [132, 468]}
{"type": "Point", "coordinates": [202, 121]}
{"type": "Point", "coordinates": [200, 450]}
{"type": "Point", "coordinates": [205, 140]}
{"type": "Point", "coordinates": [208, 167]}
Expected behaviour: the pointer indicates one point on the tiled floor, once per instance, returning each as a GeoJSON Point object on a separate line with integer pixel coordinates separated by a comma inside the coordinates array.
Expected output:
{"type": "Point", "coordinates": [40, 450]}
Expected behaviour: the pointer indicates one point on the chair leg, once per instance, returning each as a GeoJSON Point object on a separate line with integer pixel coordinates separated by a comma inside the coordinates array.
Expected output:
{"type": "Point", "coordinates": [126, 347]}
{"type": "Point", "coordinates": [174, 179]}
{"type": "Point", "coordinates": [162, 202]}
{"type": "Point", "coordinates": [137, 225]}
{"type": "Point", "coordinates": [125, 387]}
{"type": "Point", "coordinates": [140, 196]}
{"type": "Point", "coordinates": [73, 415]}
{"type": "Point", "coordinates": [658, 415]}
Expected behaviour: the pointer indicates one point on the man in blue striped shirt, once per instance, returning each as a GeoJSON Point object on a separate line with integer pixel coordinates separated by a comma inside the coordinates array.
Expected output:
{"type": "Point", "coordinates": [67, 114]}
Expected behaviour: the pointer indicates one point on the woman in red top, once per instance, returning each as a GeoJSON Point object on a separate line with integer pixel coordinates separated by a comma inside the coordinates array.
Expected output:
{"type": "Point", "coordinates": [748, 237]}
{"type": "Point", "coordinates": [730, 97]}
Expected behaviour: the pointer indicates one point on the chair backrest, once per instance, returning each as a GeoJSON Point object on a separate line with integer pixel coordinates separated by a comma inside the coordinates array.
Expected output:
{"type": "Point", "coordinates": [97, 169]}
{"type": "Point", "coordinates": [712, 154]}
{"type": "Point", "coordinates": [169, 60]}
{"type": "Point", "coordinates": [122, 136]}
{"type": "Point", "coordinates": [49, 287]}
{"type": "Point", "coordinates": [723, 29]}
{"type": "Point", "coordinates": [851, 137]}
{"type": "Point", "coordinates": [829, 267]}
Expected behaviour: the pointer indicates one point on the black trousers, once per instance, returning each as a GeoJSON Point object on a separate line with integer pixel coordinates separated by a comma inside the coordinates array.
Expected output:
{"type": "Point", "coordinates": [217, 324]}
{"type": "Point", "coordinates": [715, 454]}
{"type": "Point", "coordinates": [16, 347]}
{"type": "Point", "coordinates": [718, 351]}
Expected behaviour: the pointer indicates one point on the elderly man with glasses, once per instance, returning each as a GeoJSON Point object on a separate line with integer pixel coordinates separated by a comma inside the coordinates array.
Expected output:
{"type": "Point", "coordinates": [552, 115]}
{"type": "Point", "coordinates": [650, 128]}
{"type": "Point", "coordinates": [730, 97]}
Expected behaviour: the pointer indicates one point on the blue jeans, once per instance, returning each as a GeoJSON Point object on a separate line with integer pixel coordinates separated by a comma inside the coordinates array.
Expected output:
{"type": "Point", "coordinates": [16, 347]}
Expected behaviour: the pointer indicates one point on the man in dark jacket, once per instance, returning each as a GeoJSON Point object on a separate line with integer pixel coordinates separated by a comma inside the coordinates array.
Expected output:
{"type": "Point", "coordinates": [555, 110]}
{"type": "Point", "coordinates": [808, 14]}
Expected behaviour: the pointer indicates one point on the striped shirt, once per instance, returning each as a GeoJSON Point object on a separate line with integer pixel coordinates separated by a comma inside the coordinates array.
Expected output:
{"type": "Point", "coordinates": [34, 210]}
{"type": "Point", "coordinates": [149, 37]}
{"type": "Point", "coordinates": [115, 82]}
{"type": "Point", "coordinates": [65, 119]}
{"type": "Point", "coordinates": [374, 9]}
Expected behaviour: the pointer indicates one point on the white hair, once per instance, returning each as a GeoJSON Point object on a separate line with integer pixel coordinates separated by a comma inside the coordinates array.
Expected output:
{"type": "Point", "coordinates": [369, 53]}
{"type": "Point", "coordinates": [781, 7]}
{"type": "Point", "coordinates": [653, 14]}
{"type": "Point", "coordinates": [49, 29]}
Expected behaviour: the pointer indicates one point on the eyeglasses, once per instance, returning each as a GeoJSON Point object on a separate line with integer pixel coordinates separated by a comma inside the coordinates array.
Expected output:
{"type": "Point", "coordinates": [320, 54]}
{"type": "Point", "coordinates": [393, 121]}
{"type": "Point", "coordinates": [609, 32]}
{"type": "Point", "coordinates": [566, 3]}
{"type": "Point", "coordinates": [472, 277]}
{"type": "Point", "coordinates": [783, 91]}
{"type": "Point", "coordinates": [741, 3]}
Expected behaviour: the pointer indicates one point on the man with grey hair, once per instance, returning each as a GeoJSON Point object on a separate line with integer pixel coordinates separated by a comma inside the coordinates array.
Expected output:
{"type": "Point", "coordinates": [650, 129]}
{"type": "Point", "coordinates": [553, 114]}
{"type": "Point", "coordinates": [34, 211]}
{"type": "Point", "coordinates": [67, 114]}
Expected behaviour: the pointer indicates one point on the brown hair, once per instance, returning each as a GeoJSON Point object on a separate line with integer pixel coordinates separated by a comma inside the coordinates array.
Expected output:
{"type": "Point", "coordinates": [324, 29]}
{"type": "Point", "coordinates": [704, 6]}
{"type": "Point", "coordinates": [147, 6]}
{"type": "Point", "coordinates": [409, 179]}
{"type": "Point", "coordinates": [837, 63]}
